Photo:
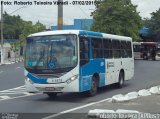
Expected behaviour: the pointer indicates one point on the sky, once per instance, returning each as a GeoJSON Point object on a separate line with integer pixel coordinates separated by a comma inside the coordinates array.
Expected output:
{"type": "Point", "coordinates": [47, 14]}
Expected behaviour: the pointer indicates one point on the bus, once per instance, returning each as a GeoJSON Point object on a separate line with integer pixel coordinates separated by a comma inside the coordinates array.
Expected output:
{"type": "Point", "coordinates": [150, 50]}
{"type": "Point", "coordinates": [137, 50]}
{"type": "Point", "coordinates": [76, 61]}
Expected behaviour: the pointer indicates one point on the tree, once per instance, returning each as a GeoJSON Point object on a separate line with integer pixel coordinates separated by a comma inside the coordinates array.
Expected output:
{"type": "Point", "coordinates": [154, 24]}
{"type": "Point", "coordinates": [17, 28]}
{"type": "Point", "coordinates": [12, 26]}
{"type": "Point", "coordinates": [117, 17]}
{"type": "Point", "coordinates": [38, 27]}
{"type": "Point", "coordinates": [15, 46]}
{"type": "Point", "coordinates": [29, 28]}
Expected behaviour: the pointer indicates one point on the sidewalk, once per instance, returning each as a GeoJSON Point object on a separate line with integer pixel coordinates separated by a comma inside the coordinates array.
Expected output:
{"type": "Point", "coordinates": [12, 60]}
{"type": "Point", "coordinates": [143, 105]}
{"type": "Point", "coordinates": [147, 106]}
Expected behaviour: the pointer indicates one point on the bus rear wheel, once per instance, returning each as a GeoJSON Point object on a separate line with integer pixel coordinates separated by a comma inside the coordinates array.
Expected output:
{"type": "Point", "coordinates": [120, 83]}
{"type": "Point", "coordinates": [94, 87]}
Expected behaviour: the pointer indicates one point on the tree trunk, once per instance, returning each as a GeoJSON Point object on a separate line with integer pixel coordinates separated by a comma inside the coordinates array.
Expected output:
{"type": "Point", "coordinates": [15, 57]}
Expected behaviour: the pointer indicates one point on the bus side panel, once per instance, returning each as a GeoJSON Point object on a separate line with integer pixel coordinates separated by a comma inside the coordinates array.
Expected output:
{"type": "Point", "coordinates": [110, 76]}
{"type": "Point", "coordinates": [118, 66]}
{"type": "Point", "coordinates": [87, 71]}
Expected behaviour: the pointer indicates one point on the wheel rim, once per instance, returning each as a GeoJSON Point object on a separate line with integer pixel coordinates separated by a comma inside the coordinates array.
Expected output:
{"type": "Point", "coordinates": [93, 87]}
{"type": "Point", "coordinates": [121, 82]}
{"type": "Point", "coordinates": [121, 79]}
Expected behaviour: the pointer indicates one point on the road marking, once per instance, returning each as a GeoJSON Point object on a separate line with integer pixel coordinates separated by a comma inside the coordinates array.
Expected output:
{"type": "Point", "coordinates": [5, 94]}
{"type": "Point", "coordinates": [13, 88]}
{"type": "Point", "coordinates": [26, 93]}
{"type": "Point", "coordinates": [76, 108]}
{"type": "Point", "coordinates": [5, 97]}
{"type": "Point", "coordinates": [18, 67]}
{"type": "Point", "coordinates": [17, 90]}
{"type": "Point", "coordinates": [18, 97]}
{"type": "Point", "coordinates": [14, 92]}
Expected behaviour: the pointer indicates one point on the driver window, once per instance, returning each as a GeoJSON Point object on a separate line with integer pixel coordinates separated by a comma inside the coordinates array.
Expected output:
{"type": "Point", "coordinates": [84, 50]}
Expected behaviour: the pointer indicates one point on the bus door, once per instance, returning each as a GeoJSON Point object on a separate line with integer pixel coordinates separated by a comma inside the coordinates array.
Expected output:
{"type": "Point", "coordinates": [110, 74]}
{"type": "Point", "coordinates": [126, 54]}
{"type": "Point", "coordinates": [117, 59]}
{"type": "Point", "coordinates": [108, 55]}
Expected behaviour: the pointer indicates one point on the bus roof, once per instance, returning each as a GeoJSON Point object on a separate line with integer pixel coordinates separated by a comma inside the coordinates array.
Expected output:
{"type": "Point", "coordinates": [150, 43]}
{"type": "Point", "coordinates": [81, 33]}
{"type": "Point", "coordinates": [137, 43]}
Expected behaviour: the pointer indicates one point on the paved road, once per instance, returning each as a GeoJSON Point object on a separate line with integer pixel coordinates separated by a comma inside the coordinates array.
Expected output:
{"type": "Point", "coordinates": [11, 76]}
{"type": "Point", "coordinates": [146, 75]}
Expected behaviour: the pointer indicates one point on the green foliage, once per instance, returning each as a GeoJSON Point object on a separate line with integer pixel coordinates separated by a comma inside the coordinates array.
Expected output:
{"type": "Point", "coordinates": [17, 28]}
{"type": "Point", "coordinates": [12, 26]}
{"type": "Point", "coordinates": [29, 28]}
{"type": "Point", "coordinates": [15, 46]}
{"type": "Point", "coordinates": [117, 17]}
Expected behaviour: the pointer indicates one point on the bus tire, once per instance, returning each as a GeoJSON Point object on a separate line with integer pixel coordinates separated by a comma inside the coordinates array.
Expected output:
{"type": "Point", "coordinates": [94, 87]}
{"type": "Point", "coordinates": [120, 83]}
{"type": "Point", "coordinates": [52, 94]}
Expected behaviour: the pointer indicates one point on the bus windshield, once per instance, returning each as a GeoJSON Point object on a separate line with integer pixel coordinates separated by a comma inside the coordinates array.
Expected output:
{"type": "Point", "coordinates": [51, 52]}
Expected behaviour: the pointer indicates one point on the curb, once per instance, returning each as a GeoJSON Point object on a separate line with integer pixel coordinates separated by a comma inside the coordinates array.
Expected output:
{"type": "Point", "coordinates": [12, 62]}
{"type": "Point", "coordinates": [134, 95]}
{"type": "Point", "coordinates": [127, 114]}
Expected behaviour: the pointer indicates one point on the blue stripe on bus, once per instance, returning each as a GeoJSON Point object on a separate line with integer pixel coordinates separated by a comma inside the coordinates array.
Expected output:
{"type": "Point", "coordinates": [87, 71]}
{"type": "Point", "coordinates": [90, 33]}
{"type": "Point", "coordinates": [36, 79]}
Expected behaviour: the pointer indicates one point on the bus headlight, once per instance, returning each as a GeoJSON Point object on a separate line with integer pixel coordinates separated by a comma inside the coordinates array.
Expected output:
{"type": "Point", "coordinates": [72, 79]}
{"type": "Point", "coordinates": [27, 79]}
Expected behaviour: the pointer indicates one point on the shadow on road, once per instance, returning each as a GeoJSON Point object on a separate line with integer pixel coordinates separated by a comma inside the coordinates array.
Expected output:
{"type": "Point", "coordinates": [80, 97]}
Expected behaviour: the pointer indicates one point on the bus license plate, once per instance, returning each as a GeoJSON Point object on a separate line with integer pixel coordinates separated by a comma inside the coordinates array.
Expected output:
{"type": "Point", "coordinates": [54, 80]}
{"type": "Point", "coordinates": [49, 88]}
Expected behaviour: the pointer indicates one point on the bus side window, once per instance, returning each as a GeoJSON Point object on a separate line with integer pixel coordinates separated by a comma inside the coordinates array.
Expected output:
{"type": "Point", "coordinates": [116, 48]}
{"type": "Point", "coordinates": [84, 50]}
{"type": "Point", "coordinates": [129, 49]}
{"type": "Point", "coordinates": [124, 53]}
{"type": "Point", "coordinates": [97, 48]}
{"type": "Point", "coordinates": [107, 48]}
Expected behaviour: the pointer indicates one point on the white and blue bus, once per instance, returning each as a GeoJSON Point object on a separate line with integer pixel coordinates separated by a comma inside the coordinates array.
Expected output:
{"type": "Point", "coordinates": [76, 61]}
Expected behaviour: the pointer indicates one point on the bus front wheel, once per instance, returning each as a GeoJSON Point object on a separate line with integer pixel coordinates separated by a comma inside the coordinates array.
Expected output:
{"type": "Point", "coordinates": [94, 87]}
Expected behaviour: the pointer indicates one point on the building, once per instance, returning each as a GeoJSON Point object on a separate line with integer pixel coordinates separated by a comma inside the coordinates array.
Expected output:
{"type": "Point", "coordinates": [7, 51]}
{"type": "Point", "coordinates": [79, 24]}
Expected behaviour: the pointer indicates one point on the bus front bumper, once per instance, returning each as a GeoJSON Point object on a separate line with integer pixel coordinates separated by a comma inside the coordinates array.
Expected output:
{"type": "Point", "coordinates": [61, 87]}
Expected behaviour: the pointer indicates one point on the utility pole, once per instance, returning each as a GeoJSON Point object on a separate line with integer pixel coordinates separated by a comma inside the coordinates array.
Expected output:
{"type": "Point", "coordinates": [60, 14]}
{"type": "Point", "coordinates": [2, 34]}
